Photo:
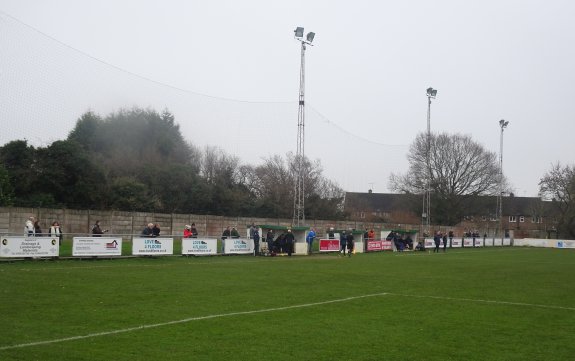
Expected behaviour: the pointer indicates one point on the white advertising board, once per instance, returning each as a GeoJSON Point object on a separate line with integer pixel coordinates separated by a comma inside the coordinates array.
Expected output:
{"type": "Point", "coordinates": [455, 242]}
{"type": "Point", "coordinates": [430, 243]}
{"type": "Point", "coordinates": [142, 246]}
{"type": "Point", "coordinates": [29, 247]}
{"type": "Point", "coordinates": [565, 244]}
{"type": "Point", "coordinates": [238, 246]}
{"type": "Point", "coordinates": [96, 246]}
{"type": "Point", "coordinates": [545, 243]}
{"type": "Point", "coordinates": [199, 246]}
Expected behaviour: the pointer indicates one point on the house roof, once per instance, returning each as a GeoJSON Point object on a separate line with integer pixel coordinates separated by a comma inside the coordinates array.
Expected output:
{"type": "Point", "coordinates": [378, 202]}
{"type": "Point", "coordinates": [484, 205]}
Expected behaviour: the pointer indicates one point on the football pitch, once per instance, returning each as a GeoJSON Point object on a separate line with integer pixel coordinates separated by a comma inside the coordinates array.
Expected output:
{"type": "Point", "coordinates": [466, 304]}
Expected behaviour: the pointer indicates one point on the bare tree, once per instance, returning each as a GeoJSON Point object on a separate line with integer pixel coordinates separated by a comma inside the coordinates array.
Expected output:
{"type": "Point", "coordinates": [217, 166]}
{"type": "Point", "coordinates": [558, 185]}
{"type": "Point", "coordinates": [459, 169]}
{"type": "Point", "coordinates": [273, 184]}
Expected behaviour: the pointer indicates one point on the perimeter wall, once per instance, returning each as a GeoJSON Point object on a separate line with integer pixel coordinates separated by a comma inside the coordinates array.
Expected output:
{"type": "Point", "coordinates": [79, 222]}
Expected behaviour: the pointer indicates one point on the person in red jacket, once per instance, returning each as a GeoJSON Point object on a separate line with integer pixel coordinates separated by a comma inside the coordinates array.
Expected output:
{"type": "Point", "coordinates": [188, 231]}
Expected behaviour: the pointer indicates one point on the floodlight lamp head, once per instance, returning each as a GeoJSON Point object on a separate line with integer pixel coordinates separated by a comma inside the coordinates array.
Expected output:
{"type": "Point", "coordinates": [310, 37]}
{"type": "Point", "coordinates": [431, 92]}
{"type": "Point", "coordinates": [298, 32]}
{"type": "Point", "coordinates": [503, 123]}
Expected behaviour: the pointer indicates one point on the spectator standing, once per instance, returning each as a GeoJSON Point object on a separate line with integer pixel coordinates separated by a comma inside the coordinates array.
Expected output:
{"type": "Point", "coordinates": [365, 235]}
{"type": "Point", "coordinates": [156, 230]}
{"type": "Point", "coordinates": [309, 240]}
{"type": "Point", "coordinates": [280, 243]}
{"type": "Point", "coordinates": [437, 240]}
{"type": "Point", "coordinates": [399, 246]}
{"type": "Point", "coordinates": [235, 233]}
{"type": "Point", "coordinates": [56, 231]}
{"type": "Point", "coordinates": [194, 231]}
{"type": "Point", "coordinates": [255, 235]}
{"type": "Point", "coordinates": [37, 229]}
{"type": "Point", "coordinates": [450, 239]}
{"type": "Point", "coordinates": [29, 227]}
{"type": "Point", "coordinates": [342, 242]}
{"type": "Point", "coordinates": [148, 231]}
{"type": "Point", "coordinates": [444, 242]}
{"type": "Point", "coordinates": [350, 243]}
{"type": "Point", "coordinates": [371, 235]}
{"type": "Point", "coordinates": [330, 233]}
{"type": "Point", "coordinates": [270, 240]}
{"type": "Point", "coordinates": [408, 242]}
{"type": "Point", "coordinates": [289, 242]}
{"type": "Point", "coordinates": [225, 235]}
{"type": "Point", "coordinates": [97, 230]}
{"type": "Point", "coordinates": [188, 231]}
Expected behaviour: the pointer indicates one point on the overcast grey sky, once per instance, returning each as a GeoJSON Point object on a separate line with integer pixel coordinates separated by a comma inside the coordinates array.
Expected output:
{"type": "Point", "coordinates": [229, 71]}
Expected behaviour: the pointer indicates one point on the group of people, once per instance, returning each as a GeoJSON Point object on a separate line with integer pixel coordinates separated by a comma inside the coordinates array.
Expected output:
{"type": "Point", "coordinates": [437, 240]}
{"type": "Point", "coordinates": [190, 231]}
{"type": "Point", "coordinates": [151, 230]}
{"type": "Point", "coordinates": [346, 240]}
{"type": "Point", "coordinates": [401, 242]}
{"type": "Point", "coordinates": [282, 243]}
{"type": "Point", "coordinates": [32, 229]}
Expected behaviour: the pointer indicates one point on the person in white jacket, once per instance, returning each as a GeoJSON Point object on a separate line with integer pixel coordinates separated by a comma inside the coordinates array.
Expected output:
{"type": "Point", "coordinates": [56, 231]}
{"type": "Point", "coordinates": [29, 227]}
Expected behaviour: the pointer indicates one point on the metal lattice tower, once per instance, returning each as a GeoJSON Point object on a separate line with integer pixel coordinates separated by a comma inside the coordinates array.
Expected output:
{"type": "Point", "coordinates": [426, 211]}
{"type": "Point", "coordinates": [499, 211]}
{"type": "Point", "coordinates": [299, 187]}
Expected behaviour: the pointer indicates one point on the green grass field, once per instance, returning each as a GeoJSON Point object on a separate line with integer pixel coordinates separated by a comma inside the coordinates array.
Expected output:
{"type": "Point", "coordinates": [467, 304]}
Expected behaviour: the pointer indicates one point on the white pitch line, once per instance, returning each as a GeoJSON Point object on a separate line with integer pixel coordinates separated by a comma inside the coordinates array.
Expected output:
{"type": "Point", "coordinates": [185, 320]}
{"type": "Point", "coordinates": [484, 301]}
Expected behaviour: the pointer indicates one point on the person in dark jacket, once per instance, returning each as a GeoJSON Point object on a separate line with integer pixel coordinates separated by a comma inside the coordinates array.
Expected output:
{"type": "Point", "coordinates": [148, 231]}
{"type": "Point", "coordinates": [437, 241]}
{"type": "Point", "coordinates": [225, 235]}
{"type": "Point", "coordinates": [342, 242]}
{"type": "Point", "coordinates": [289, 241]}
{"type": "Point", "coordinates": [37, 229]}
{"type": "Point", "coordinates": [330, 233]}
{"type": "Point", "coordinates": [97, 230]}
{"type": "Point", "coordinates": [349, 243]}
{"type": "Point", "coordinates": [255, 235]}
{"type": "Point", "coordinates": [156, 230]}
{"type": "Point", "coordinates": [235, 233]}
{"type": "Point", "coordinates": [444, 242]}
{"type": "Point", "coordinates": [270, 241]}
{"type": "Point", "coordinates": [194, 231]}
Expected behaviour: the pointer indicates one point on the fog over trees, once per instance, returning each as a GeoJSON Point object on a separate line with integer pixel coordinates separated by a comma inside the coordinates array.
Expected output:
{"type": "Point", "coordinates": [138, 160]}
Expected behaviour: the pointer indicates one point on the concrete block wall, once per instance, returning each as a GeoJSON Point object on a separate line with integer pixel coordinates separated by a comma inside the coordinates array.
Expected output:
{"type": "Point", "coordinates": [80, 222]}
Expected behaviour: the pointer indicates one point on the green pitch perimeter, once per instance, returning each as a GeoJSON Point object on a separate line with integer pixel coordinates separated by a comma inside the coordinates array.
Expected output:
{"type": "Point", "coordinates": [467, 304]}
